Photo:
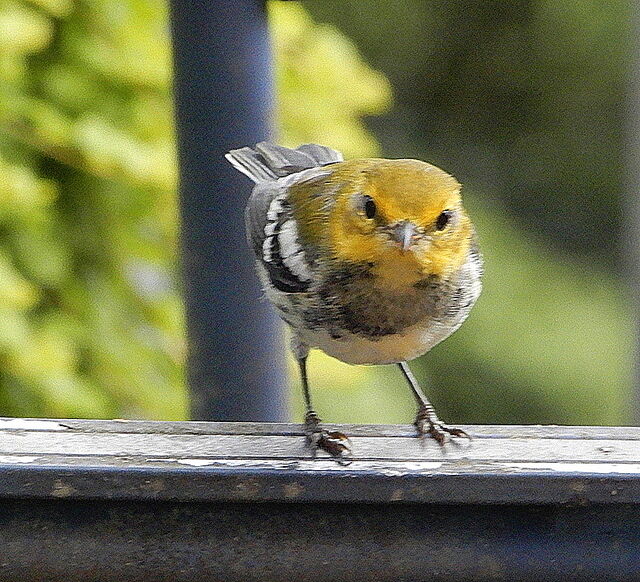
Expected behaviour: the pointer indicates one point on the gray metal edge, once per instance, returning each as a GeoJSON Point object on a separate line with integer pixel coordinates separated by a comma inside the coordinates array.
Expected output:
{"type": "Point", "coordinates": [268, 462]}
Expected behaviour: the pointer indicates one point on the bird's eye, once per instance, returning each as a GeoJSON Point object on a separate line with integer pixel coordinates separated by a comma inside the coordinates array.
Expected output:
{"type": "Point", "coordinates": [443, 219]}
{"type": "Point", "coordinates": [369, 207]}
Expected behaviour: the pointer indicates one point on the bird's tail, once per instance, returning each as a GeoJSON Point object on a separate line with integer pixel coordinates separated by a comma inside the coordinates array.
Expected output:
{"type": "Point", "coordinates": [267, 161]}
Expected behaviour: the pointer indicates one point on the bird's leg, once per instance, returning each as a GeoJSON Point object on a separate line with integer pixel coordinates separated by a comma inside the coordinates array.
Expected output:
{"type": "Point", "coordinates": [333, 442]}
{"type": "Point", "coordinates": [427, 421]}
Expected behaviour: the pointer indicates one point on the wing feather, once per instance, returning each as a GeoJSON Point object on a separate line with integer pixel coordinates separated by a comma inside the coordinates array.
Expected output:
{"type": "Point", "coordinates": [271, 227]}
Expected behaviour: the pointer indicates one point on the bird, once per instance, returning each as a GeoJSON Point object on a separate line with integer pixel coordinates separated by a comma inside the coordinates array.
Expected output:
{"type": "Point", "coordinates": [373, 261]}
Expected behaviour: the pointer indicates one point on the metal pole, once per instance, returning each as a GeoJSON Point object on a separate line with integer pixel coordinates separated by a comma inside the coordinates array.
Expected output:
{"type": "Point", "coordinates": [223, 95]}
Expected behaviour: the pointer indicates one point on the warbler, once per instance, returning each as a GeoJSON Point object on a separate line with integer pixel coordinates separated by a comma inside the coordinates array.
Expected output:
{"type": "Point", "coordinates": [373, 261]}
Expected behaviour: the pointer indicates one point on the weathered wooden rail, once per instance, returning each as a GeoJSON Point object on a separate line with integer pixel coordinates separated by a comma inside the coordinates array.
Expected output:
{"type": "Point", "coordinates": [128, 500]}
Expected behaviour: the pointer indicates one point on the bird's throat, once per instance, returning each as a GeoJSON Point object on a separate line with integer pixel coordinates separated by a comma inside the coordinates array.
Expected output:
{"type": "Point", "coordinates": [398, 270]}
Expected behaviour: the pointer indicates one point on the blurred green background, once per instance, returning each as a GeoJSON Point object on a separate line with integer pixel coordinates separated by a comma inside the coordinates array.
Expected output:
{"type": "Point", "coordinates": [523, 101]}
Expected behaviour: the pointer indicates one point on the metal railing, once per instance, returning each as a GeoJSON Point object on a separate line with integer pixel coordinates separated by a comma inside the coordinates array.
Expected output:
{"type": "Point", "coordinates": [129, 500]}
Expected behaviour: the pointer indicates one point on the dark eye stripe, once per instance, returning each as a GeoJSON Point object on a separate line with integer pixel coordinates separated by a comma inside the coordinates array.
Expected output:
{"type": "Point", "coordinates": [443, 219]}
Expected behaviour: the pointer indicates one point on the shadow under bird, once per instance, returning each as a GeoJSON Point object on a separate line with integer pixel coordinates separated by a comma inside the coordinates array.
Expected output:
{"type": "Point", "coordinates": [373, 261]}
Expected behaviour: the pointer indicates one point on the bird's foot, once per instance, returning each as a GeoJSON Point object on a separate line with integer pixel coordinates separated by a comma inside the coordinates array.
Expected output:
{"type": "Point", "coordinates": [428, 424]}
{"type": "Point", "coordinates": [335, 443]}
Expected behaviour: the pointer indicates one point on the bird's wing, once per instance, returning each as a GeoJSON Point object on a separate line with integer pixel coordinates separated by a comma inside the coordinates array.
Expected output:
{"type": "Point", "coordinates": [273, 232]}
{"type": "Point", "coordinates": [271, 227]}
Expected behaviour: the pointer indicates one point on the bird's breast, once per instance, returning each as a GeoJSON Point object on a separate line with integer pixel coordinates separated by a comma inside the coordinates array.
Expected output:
{"type": "Point", "coordinates": [349, 317]}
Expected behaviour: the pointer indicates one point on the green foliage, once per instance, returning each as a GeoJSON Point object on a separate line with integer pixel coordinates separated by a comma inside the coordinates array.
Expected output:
{"type": "Point", "coordinates": [91, 320]}
{"type": "Point", "coordinates": [312, 63]}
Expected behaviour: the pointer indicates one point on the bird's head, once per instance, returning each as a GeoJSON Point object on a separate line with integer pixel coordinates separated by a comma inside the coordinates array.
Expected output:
{"type": "Point", "coordinates": [402, 217]}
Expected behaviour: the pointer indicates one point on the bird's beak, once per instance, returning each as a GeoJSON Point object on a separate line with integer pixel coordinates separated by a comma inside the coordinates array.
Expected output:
{"type": "Point", "coordinates": [403, 234]}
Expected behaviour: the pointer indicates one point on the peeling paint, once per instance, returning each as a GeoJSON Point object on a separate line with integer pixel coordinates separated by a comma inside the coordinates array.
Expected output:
{"type": "Point", "coordinates": [27, 424]}
{"type": "Point", "coordinates": [423, 466]}
{"type": "Point", "coordinates": [392, 473]}
{"type": "Point", "coordinates": [17, 459]}
{"type": "Point", "coordinates": [389, 468]}
{"type": "Point", "coordinates": [162, 460]}
{"type": "Point", "coordinates": [600, 468]}
{"type": "Point", "coordinates": [196, 462]}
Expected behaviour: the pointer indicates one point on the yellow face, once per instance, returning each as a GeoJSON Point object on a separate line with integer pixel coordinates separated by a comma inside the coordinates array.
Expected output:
{"type": "Point", "coordinates": [404, 217]}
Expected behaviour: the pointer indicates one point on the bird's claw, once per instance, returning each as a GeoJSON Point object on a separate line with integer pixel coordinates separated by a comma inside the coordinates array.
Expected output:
{"type": "Point", "coordinates": [335, 443]}
{"type": "Point", "coordinates": [429, 424]}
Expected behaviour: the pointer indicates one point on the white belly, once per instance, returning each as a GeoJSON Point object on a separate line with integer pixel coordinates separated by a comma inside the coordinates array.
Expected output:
{"type": "Point", "coordinates": [391, 349]}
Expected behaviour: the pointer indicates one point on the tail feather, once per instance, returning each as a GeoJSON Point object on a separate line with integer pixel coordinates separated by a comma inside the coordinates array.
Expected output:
{"type": "Point", "coordinates": [251, 164]}
{"type": "Point", "coordinates": [284, 161]}
{"type": "Point", "coordinates": [268, 161]}
{"type": "Point", "coordinates": [322, 155]}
